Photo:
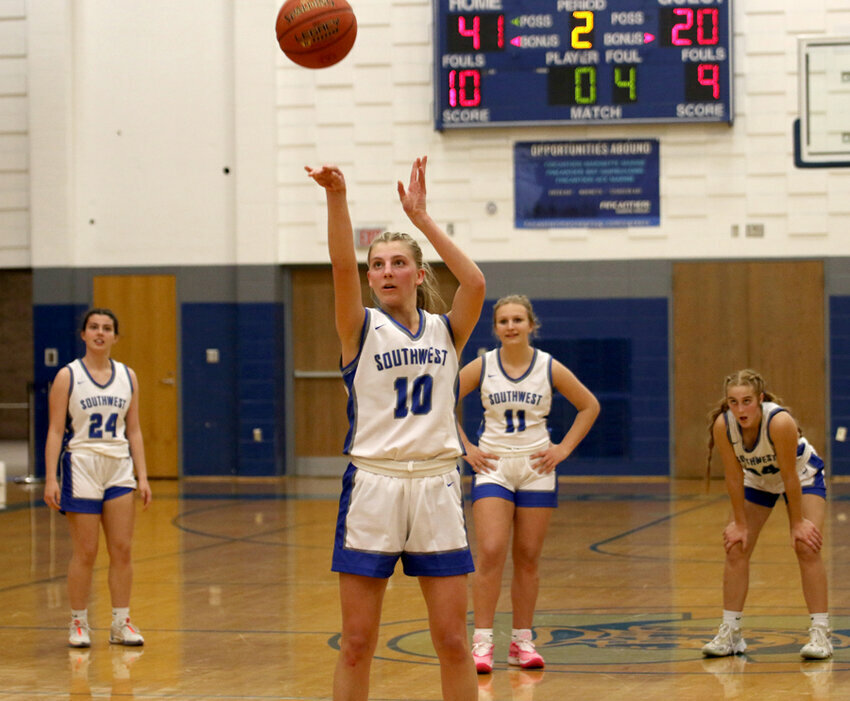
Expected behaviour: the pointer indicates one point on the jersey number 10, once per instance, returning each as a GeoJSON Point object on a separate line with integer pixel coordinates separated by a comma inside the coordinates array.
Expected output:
{"type": "Point", "coordinates": [419, 396]}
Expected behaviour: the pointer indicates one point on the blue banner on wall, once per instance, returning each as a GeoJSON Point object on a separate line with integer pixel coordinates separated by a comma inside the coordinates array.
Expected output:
{"type": "Point", "coordinates": [578, 184]}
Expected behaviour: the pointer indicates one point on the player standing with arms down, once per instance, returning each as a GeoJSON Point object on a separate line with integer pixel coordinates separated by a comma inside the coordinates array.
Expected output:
{"type": "Point", "coordinates": [401, 492]}
{"type": "Point", "coordinates": [515, 484]}
{"type": "Point", "coordinates": [94, 429]}
{"type": "Point", "coordinates": [765, 456]}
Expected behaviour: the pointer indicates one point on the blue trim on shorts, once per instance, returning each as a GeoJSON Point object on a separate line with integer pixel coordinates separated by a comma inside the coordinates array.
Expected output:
{"type": "Point", "coordinates": [768, 499]}
{"type": "Point", "coordinates": [521, 498]}
{"type": "Point", "coordinates": [382, 565]}
{"type": "Point", "coordinates": [349, 561]}
{"type": "Point", "coordinates": [365, 564]}
{"type": "Point", "coordinates": [479, 491]}
{"type": "Point", "coordinates": [446, 564]}
{"type": "Point", "coordinates": [537, 499]}
{"type": "Point", "coordinates": [115, 492]}
{"type": "Point", "coordinates": [67, 502]}
{"type": "Point", "coordinates": [761, 498]}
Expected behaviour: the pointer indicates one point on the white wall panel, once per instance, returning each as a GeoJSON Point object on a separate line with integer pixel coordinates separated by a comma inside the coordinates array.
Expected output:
{"type": "Point", "coordinates": [135, 128]}
{"type": "Point", "coordinates": [14, 137]}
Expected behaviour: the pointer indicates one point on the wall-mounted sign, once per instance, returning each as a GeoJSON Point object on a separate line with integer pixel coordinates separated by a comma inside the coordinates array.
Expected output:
{"type": "Point", "coordinates": [577, 184]}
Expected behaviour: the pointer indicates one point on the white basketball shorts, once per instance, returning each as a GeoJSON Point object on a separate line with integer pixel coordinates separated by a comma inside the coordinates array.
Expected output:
{"type": "Point", "coordinates": [419, 520]}
{"type": "Point", "coordinates": [516, 480]}
{"type": "Point", "coordinates": [89, 479]}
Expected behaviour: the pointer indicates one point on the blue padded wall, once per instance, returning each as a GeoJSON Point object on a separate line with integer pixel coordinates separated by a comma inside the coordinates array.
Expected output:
{"type": "Point", "coordinates": [224, 402]}
{"type": "Point", "coordinates": [839, 382]}
{"type": "Point", "coordinates": [260, 372]}
{"type": "Point", "coordinates": [619, 349]}
{"type": "Point", "coordinates": [209, 405]}
{"type": "Point", "coordinates": [54, 326]}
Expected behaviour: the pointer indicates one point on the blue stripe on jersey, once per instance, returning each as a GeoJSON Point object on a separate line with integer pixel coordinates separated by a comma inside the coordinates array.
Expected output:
{"type": "Point", "coordinates": [448, 323]}
{"type": "Point", "coordinates": [129, 380]}
{"type": "Point", "coordinates": [348, 373]}
{"type": "Point", "coordinates": [69, 425]}
{"type": "Point", "coordinates": [819, 484]}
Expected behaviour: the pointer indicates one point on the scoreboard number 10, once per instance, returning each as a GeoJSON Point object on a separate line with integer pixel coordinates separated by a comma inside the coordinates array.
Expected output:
{"type": "Point", "coordinates": [632, 61]}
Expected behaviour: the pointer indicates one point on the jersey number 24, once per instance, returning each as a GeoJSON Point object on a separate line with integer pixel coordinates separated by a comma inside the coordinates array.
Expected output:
{"type": "Point", "coordinates": [96, 421]}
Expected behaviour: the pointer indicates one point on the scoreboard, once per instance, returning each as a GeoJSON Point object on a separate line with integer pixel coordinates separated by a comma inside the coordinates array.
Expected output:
{"type": "Point", "coordinates": [525, 62]}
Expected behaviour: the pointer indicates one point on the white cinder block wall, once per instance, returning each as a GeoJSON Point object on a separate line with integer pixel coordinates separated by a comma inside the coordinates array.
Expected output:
{"type": "Point", "coordinates": [163, 132]}
{"type": "Point", "coordinates": [14, 141]}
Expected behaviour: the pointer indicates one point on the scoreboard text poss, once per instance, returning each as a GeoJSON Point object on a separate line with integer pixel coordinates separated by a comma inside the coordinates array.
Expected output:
{"type": "Point", "coordinates": [511, 62]}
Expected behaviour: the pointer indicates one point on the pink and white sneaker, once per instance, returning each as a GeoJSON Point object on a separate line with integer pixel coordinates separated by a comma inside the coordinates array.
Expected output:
{"type": "Point", "coordinates": [522, 653]}
{"type": "Point", "coordinates": [125, 633]}
{"type": "Point", "coordinates": [482, 654]}
{"type": "Point", "coordinates": [78, 634]}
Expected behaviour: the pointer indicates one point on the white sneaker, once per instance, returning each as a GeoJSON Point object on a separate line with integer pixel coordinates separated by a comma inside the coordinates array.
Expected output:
{"type": "Point", "coordinates": [78, 634]}
{"type": "Point", "coordinates": [728, 641]}
{"type": "Point", "coordinates": [125, 633]}
{"type": "Point", "coordinates": [819, 646]}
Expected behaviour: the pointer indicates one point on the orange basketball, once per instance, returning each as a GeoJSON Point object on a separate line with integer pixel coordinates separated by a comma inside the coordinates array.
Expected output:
{"type": "Point", "coordinates": [316, 33]}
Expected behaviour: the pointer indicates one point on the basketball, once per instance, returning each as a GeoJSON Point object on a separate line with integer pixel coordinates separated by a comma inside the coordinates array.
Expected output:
{"type": "Point", "coordinates": [316, 33]}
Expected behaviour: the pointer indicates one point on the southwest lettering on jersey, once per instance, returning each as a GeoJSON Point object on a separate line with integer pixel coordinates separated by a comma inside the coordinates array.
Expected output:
{"type": "Point", "coordinates": [102, 400]}
{"type": "Point", "coordinates": [756, 460]}
{"type": "Point", "coordinates": [410, 356]}
{"type": "Point", "coordinates": [514, 396]}
{"type": "Point", "coordinates": [759, 464]}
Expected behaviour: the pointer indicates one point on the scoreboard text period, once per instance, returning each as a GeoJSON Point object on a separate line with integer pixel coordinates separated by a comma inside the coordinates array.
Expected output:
{"type": "Point", "coordinates": [514, 62]}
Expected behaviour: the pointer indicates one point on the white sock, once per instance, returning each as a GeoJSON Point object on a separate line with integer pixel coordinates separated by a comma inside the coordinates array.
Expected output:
{"type": "Point", "coordinates": [732, 618]}
{"type": "Point", "coordinates": [820, 619]}
{"type": "Point", "coordinates": [81, 615]}
{"type": "Point", "coordinates": [483, 635]}
{"type": "Point", "coordinates": [119, 615]}
{"type": "Point", "coordinates": [518, 634]}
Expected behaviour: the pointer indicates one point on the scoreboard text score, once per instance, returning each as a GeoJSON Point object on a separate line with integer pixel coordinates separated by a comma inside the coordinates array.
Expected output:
{"type": "Point", "coordinates": [513, 62]}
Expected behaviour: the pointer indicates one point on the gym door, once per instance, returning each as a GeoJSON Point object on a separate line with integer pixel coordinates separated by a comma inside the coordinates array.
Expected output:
{"type": "Point", "coordinates": [146, 307]}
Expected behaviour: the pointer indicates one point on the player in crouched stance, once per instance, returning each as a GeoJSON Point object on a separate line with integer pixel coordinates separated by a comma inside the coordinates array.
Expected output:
{"type": "Point", "coordinates": [765, 456]}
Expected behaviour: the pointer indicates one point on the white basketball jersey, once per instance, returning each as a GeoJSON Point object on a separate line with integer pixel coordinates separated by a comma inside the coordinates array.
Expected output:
{"type": "Point", "coordinates": [402, 390]}
{"type": "Point", "coordinates": [515, 409]}
{"type": "Point", "coordinates": [96, 412]}
{"type": "Point", "coordinates": [760, 464]}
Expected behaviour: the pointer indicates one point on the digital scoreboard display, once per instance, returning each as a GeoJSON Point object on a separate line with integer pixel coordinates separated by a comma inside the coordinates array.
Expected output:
{"type": "Point", "coordinates": [520, 62]}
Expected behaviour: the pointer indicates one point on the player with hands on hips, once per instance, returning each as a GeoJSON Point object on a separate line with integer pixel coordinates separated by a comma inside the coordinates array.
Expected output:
{"type": "Point", "coordinates": [94, 441]}
{"type": "Point", "coordinates": [401, 496]}
{"type": "Point", "coordinates": [765, 456]}
{"type": "Point", "coordinates": [515, 486]}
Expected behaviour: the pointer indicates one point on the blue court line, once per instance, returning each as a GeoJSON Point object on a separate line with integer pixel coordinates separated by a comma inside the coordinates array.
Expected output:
{"type": "Point", "coordinates": [597, 547]}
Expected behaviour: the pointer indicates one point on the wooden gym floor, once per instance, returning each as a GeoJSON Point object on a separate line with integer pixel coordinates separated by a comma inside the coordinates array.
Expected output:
{"type": "Point", "coordinates": [234, 595]}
